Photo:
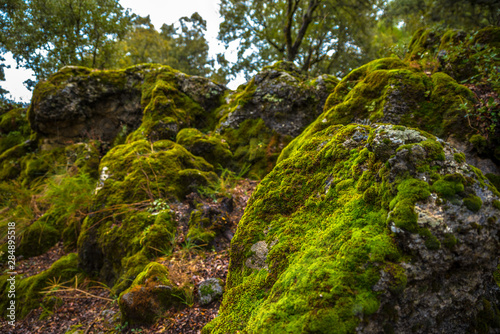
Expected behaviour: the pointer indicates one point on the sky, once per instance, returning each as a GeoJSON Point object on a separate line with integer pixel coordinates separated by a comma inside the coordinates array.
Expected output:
{"type": "Point", "coordinates": [160, 11]}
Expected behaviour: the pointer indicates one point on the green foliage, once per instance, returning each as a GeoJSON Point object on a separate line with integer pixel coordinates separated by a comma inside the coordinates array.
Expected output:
{"type": "Point", "coordinates": [298, 31]}
{"type": "Point", "coordinates": [184, 48]}
{"type": "Point", "coordinates": [461, 14]}
{"type": "Point", "coordinates": [46, 35]}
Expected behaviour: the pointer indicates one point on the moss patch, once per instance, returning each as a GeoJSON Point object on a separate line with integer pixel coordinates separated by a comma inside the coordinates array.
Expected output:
{"type": "Point", "coordinates": [28, 290]}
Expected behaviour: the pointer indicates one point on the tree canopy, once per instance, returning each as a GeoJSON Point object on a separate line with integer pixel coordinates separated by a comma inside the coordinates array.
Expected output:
{"type": "Point", "coordinates": [181, 45]}
{"type": "Point", "coordinates": [44, 35]}
{"type": "Point", "coordinates": [320, 36]}
{"type": "Point", "coordinates": [460, 14]}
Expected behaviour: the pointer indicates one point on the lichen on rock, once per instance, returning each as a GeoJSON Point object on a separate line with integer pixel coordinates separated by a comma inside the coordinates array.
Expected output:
{"type": "Point", "coordinates": [209, 290]}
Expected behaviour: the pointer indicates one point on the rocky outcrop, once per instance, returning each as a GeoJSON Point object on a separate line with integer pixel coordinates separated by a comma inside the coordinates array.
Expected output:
{"type": "Point", "coordinates": [78, 103]}
{"type": "Point", "coordinates": [281, 96]}
{"type": "Point", "coordinates": [376, 217]}
{"type": "Point", "coordinates": [366, 229]}
{"type": "Point", "coordinates": [261, 117]}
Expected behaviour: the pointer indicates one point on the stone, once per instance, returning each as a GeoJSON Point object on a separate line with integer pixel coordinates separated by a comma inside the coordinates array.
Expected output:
{"type": "Point", "coordinates": [210, 290]}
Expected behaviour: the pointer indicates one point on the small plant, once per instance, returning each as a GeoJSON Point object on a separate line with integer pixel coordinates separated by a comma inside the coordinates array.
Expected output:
{"type": "Point", "coordinates": [70, 291]}
{"type": "Point", "coordinates": [186, 298]}
{"type": "Point", "coordinates": [190, 245]}
{"type": "Point", "coordinates": [121, 327]}
{"type": "Point", "coordinates": [158, 205]}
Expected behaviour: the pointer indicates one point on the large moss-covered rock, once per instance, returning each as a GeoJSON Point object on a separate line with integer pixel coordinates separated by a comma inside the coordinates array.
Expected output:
{"type": "Point", "coordinates": [212, 148]}
{"type": "Point", "coordinates": [77, 103]}
{"type": "Point", "coordinates": [262, 116]}
{"type": "Point", "coordinates": [393, 91]}
{"type": "Point", "coordinates": [366, 229]}
{"type": "Point", "coordinates": [457, 53]}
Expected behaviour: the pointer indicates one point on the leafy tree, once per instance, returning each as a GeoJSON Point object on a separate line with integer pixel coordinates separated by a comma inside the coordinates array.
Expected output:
{"type": "Point", "coordinates": [320, 36]}
{"type": "Point", "coordinates": [44, 35]}
{"type": "Point", "coordinates": [461, 14]}
{"type": "Point", "coordinates": [189, 48]}
{"type": "Point", "coordinates": [181, 45]}
{"type": "Point", "coordinates": [2, 77]}
{"type": "Point", "coordinates": [142, 44]}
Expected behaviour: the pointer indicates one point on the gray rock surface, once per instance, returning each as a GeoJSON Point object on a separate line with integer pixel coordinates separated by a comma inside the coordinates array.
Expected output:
{"type": "Point", "coordinates": [209, 290]}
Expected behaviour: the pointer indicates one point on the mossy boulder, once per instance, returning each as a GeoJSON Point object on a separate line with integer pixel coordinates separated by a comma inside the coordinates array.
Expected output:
{"type": "Point", "coordinates": [29, 290]}
{"type": "Point", "coordinates": [207, 222]}
{"type": "Point", "coordinates": [79, 103]}
{"type": "Point", "coordinates": [393, 91]}
{"type": "Point", "coordinates": [137, 182]}
{"type": "Point", "coordinates": [346, 234]}
{"type": "Point", "coordinates": [262, 116]}
{"type": "Point", "coordinates": [458, 53]}
{"type": "Point", "coordinates": [149, 296]}
{"type": "Point", "coordinates": [212, 148]}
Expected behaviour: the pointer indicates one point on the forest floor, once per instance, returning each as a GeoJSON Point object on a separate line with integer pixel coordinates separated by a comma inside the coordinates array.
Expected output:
{"type": "Point", "coordinates": [90, 308]}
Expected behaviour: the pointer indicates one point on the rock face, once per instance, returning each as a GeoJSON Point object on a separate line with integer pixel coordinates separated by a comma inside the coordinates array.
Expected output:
{"type": "Point", "coordinates": [366, 229]}
{"type": "Point", "coordinates": [79, 103]}
{"type": "Point", "coordinates": [261, 117]}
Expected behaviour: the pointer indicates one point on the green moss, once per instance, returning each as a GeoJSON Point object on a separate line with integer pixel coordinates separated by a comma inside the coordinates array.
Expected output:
{"type": "Point", "coordinates": [496, 204]}
{"type": "Point", "coordinates": [487, 319]}
{"type": "Point", "coordinates": [494, 179]}
{"type": "Point", "coordinates": [473, 203]}
{"type": "Point", "coordinates": [409, 192]}
{"type": "Point", "coordinates": [210, 147]}
{"type": "Point", "coordinates": [254, 144]}
{"type": "Point", "coordinates": [449, 240]}
{"type": "Point", "coordinates": [149, 296]}
{"type": "Point", "coordinates": [449, 185]}
{"type": "Point", "coordinates": [140, 173]}
{"type": "Point", "coordinates": [29, 290]}
{"type": "Point", "coordinates": [431, 242]}
{"type": "Point", "coordinates": [38, 238]}
{"type": "Point", "coordinates": [459, 157]}
{"type": "Point", "coordinates": [134, 178]}
{"type": "Point", "coordinates": [479, 142]}
{"type": "Point", "coordinates": [326, 226]}
{"type": "Point", "coordinates": [200, 230]}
